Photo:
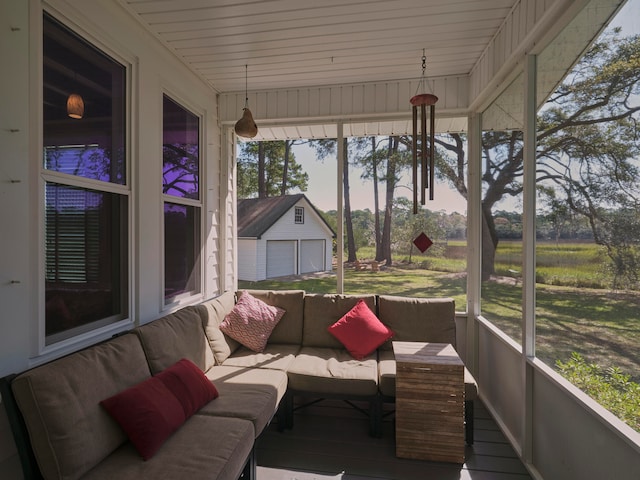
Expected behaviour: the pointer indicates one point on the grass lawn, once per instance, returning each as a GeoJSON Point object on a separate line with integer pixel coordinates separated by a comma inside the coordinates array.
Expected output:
{"type": "Point", "coordinates": [576, 311]}
{"type": "Point", "coordinates": [602, 326]}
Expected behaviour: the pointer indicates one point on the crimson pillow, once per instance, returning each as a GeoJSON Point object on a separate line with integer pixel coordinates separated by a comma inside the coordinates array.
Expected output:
{"type": "Point", "coordinates": [360, 331]}
{"type": "Point", "coordinates": [251, 322]}
{"type": "Point", "coordinates": [189, 385]}
{"type": "Point", "coordinates": [152, 410]}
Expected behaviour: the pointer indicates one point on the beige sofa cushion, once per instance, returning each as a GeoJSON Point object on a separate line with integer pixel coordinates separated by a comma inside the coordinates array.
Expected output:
{"type": "Point", "coordinates": [289, 328]}
{"type": "Point", "coordinates": [176, 336]}
{"type": "Point", "coordinates": [249, 393]}
{"type": "Point", "coordinates": [333, 371]}
{"type": "Point", "coordinates": [69, 430]}
{"type": "Point", "coordinates": [213, 313]}
{"type": "Point", "coordinates": [204, 448]}
{"type": "Point", "coordinates": [418, 319]}
{"type": "Point", "coordinates": [277, 357]}
{"type": "Point", "coordinates": [322, 311]}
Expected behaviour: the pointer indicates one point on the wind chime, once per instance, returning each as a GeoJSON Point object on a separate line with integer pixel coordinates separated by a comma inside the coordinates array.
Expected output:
{"type": "Point", "coordinates": [426, 149]}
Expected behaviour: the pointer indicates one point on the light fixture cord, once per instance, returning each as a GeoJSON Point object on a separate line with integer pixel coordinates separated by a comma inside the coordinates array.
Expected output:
{"type": "Point", "coordinates": [246, 86]}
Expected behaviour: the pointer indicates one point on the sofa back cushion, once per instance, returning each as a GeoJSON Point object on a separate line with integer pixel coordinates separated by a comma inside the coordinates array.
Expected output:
{"type": "Point", "coordinates": [289, 328]}
{"type": "Point", "coordinates": [70, 432]}
{"type": "Point", "coordinates": [322, 311]}
{"type": "Point", "coordinates": [212, 313]}
{"type": "Point", "coordinates": [176, 336]}
{"type": "Point", "coordinates": [418, 319]}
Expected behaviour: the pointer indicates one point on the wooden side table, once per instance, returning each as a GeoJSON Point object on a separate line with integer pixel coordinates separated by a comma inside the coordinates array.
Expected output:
{"type": "Point", "coordinates": [429, 402]}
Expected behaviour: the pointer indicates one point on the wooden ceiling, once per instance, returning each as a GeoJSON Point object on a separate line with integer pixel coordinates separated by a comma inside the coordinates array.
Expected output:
{"type": "Point", "coordinates": [303, 43]}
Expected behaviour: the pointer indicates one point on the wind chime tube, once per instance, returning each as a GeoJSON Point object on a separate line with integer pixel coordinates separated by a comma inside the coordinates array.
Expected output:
{"type": "Point", "coordinates": [415, 158]}
{"type": "Point", "coordinates": [423, 152]}
{"type": "Point", "coordinates": [427, 169]}
{"type": "Point", "coordinates": [432, 148]}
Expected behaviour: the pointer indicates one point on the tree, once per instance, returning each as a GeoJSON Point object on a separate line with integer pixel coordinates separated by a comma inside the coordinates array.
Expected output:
{"type": "Point", "coordinates": [262, 167]}
{"type": "Point", "coordinates": [588, 140]}
{"type": "Point", "coordinates": [392, 159]}
{"type": "Point", "coordinates": [325, 148]}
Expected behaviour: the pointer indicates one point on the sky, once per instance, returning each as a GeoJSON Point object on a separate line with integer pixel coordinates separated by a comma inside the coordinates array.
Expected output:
{"type": "Point", "coordinates": [322, 191]}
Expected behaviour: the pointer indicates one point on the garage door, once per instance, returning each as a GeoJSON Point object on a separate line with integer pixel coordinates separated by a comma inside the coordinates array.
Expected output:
{"type": "Point", "coordinates": [281, 258]}
{"type": "Point", "coordinates": [311, 256]}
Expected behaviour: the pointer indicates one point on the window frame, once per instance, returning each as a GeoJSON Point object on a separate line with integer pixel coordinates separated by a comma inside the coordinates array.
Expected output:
{"type": "Point", "coordinates": [298, 215]}
{"type": "Point", "coordinates": [44, 345]}
{"type": "Point", "coordinates": [198, 295]}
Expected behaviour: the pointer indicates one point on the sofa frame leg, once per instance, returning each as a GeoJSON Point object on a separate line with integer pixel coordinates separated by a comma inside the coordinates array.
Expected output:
{"type": "Point", "coordinates": [375, 416]}
{"type": "Point", "coordinates": [250, 471]}
{"type": "Point", "coordinates": [288, 410]}
{"type": "Point", "coordinates": [468, 421]}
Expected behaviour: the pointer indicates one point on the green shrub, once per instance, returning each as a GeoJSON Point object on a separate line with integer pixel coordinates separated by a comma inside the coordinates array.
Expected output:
{"type": "Point", "coordinates": [610, 387]}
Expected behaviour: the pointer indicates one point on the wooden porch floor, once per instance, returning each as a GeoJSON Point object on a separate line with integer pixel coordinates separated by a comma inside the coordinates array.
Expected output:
{"type": "Point", "coordinates": [330, 441]}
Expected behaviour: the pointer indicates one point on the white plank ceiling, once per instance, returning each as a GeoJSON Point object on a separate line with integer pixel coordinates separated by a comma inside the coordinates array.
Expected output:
{"type": "Point", "coordinates": [304, 43]}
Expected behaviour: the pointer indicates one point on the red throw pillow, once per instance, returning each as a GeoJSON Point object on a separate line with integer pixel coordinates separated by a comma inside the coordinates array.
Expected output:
{"type": "Point", "coordinates": [189, 385]}
{"type": "Point", "coordinates": [360, 331]}
{"type": "Point", "coordinates": [148, 413]}
{"type": "Point", "coordinates": [152, 410]}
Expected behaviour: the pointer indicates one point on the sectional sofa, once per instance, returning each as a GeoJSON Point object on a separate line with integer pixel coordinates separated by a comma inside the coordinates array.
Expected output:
{"type": "Point", "coordinates": [97, 413]}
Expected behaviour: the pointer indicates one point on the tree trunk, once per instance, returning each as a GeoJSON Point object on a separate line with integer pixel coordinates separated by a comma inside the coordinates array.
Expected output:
{"type": "Point", "coordinates": [388, 209]}
{"type": "Point", "coordinates": [262, 181]}
{"type": "Point", "coordinates": [376, 202]}
{"type": "Point", "coordinates": [285, 168]}
{"type": "Point", "coordinates": [351, 242]}
{"type": "Point", "coordinates": [489, 244]}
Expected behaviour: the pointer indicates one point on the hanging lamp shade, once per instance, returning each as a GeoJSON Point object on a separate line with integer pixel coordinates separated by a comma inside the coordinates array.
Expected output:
{"type": "Point", "coordinates": [246, 126]}
{"type": "Point", "coordinates": [423, 142]}
{"type": "Point", "coordinates": [75, 106]}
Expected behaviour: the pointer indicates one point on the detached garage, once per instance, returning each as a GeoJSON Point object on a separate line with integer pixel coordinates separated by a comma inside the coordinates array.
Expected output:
{"type": "Point", "coordinates": [281, 236]}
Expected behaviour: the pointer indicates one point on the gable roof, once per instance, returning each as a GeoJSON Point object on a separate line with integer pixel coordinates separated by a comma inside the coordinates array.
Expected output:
{"type": "Point", "coordinates": [257, 215]}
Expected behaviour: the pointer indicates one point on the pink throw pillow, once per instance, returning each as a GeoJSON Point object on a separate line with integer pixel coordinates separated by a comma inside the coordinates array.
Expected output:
{"type": "Point", "coordinates": [360, 331]}
{"type": "Point", "coordinates": [251, 322]}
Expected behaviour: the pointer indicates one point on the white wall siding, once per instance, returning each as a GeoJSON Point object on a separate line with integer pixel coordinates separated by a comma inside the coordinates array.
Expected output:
{"type": "Point", "coordinates": [105, 24]}
{"type": "Point", "coordinates": [372, 100]}
{"type": "Point", "coordinates": [228, 196]}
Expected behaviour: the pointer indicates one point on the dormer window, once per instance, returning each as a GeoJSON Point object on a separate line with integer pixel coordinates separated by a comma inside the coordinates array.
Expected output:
{"type": "Point", "coordinates": [299, 215]}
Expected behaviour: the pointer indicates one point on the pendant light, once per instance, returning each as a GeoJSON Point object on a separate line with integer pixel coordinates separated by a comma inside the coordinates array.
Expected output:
{"type": "Point", "coordinates": [425, 168]}
{"type": "Point", "coordinates": [246, 127]}
{"type": "Point", "coordinates": [75, 106]}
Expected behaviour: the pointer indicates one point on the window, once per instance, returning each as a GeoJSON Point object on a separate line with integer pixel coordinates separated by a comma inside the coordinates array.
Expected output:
{"type": "Point", "coordinates": [502, 243]}
{"type": "Point", "coordinates": [299, 215]}
{"type": "Point", "coordinates": [85, 193]}
{"type": "Point", "coordinates": [182, 204]}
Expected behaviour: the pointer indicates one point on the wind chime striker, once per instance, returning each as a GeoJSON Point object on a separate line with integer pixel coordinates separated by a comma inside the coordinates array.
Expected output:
{"type": "Point", "coordinates": [421, 147]}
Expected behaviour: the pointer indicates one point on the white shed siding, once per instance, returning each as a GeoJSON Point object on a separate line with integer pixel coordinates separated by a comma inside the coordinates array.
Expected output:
{"type": "Point", "coordinates": [285, 228]}
{"type": "Point", "coordinates": [248, 261]}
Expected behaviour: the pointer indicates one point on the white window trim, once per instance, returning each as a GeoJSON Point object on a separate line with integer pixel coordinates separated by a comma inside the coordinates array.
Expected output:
{"type": "Point", "coordinates": [41, 352]}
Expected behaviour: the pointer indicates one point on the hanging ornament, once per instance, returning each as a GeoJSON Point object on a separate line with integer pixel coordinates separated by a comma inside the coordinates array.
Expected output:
{"type": "Point", "coordinates": [424, 169]}
{"type": "Point", "coordinates": [246, 126]}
